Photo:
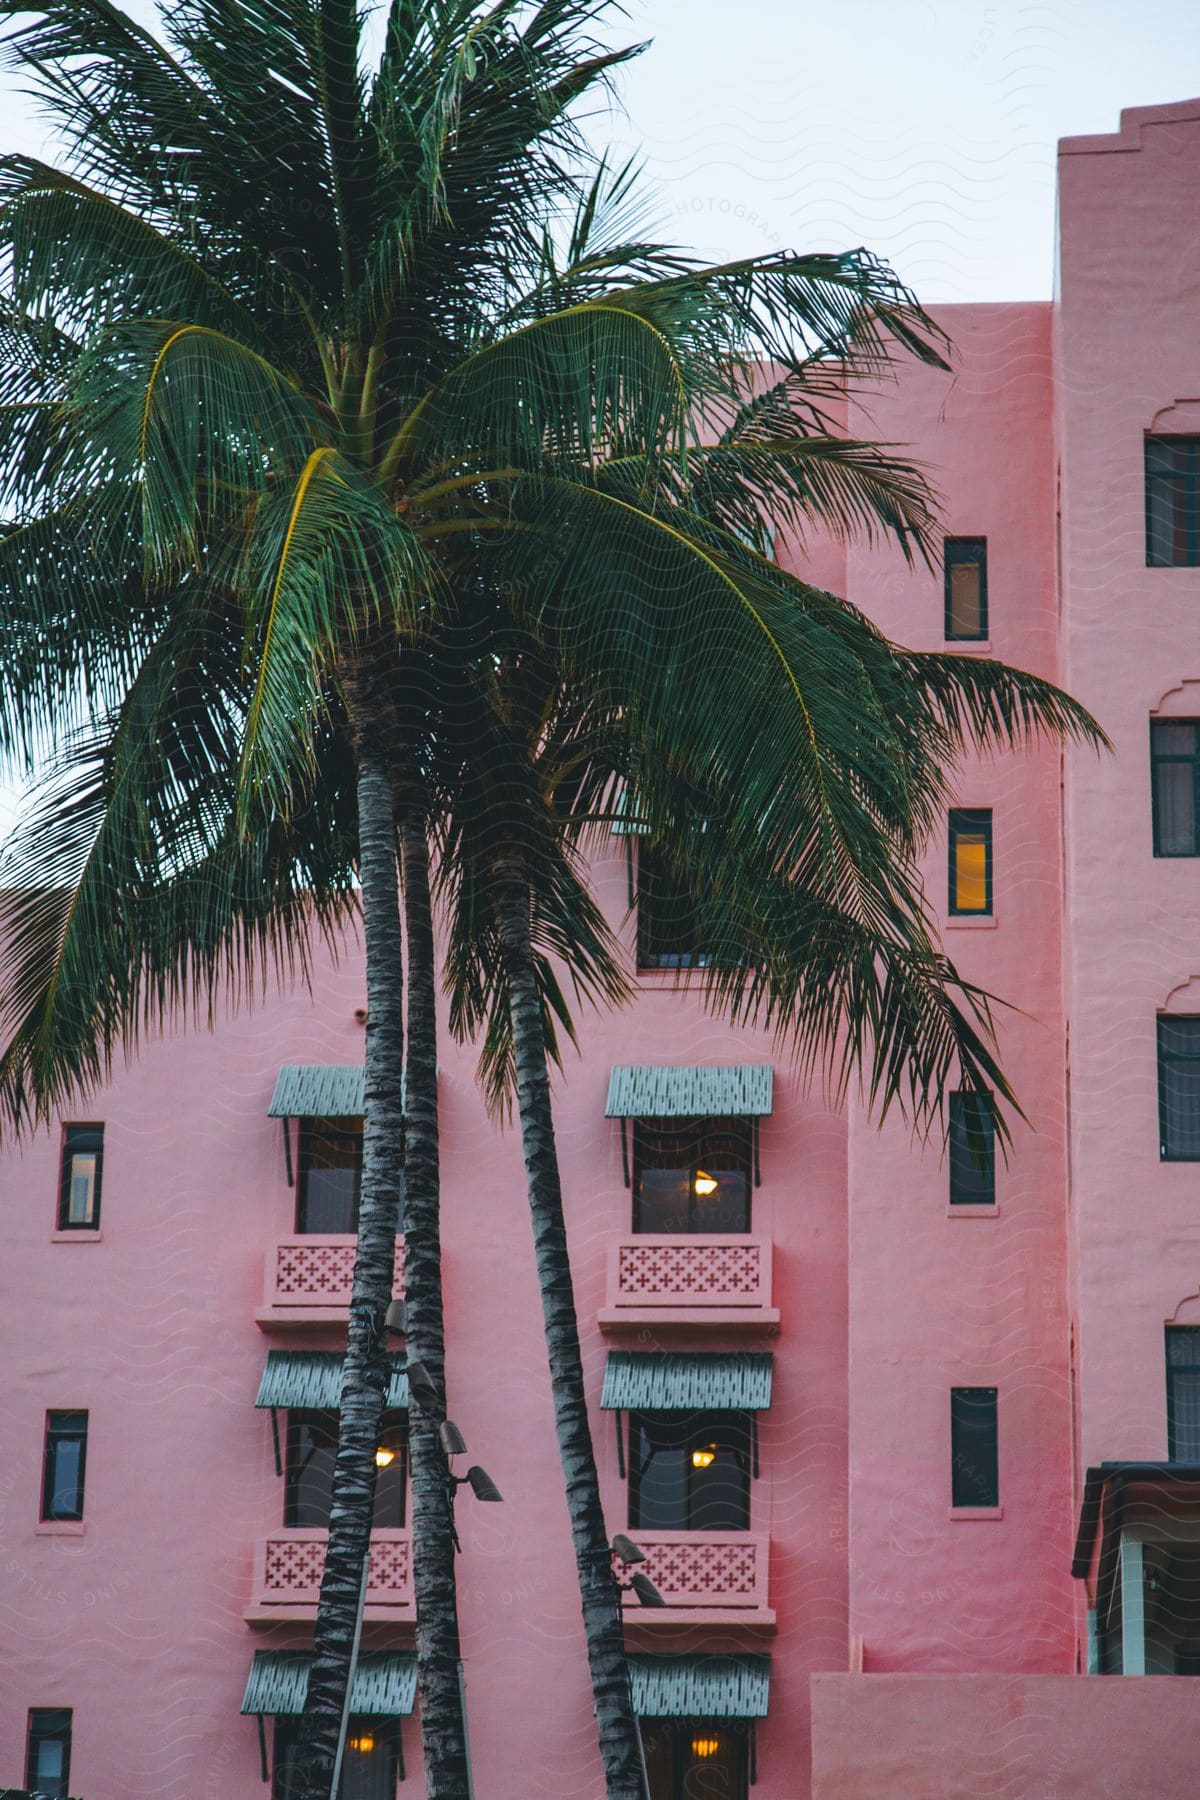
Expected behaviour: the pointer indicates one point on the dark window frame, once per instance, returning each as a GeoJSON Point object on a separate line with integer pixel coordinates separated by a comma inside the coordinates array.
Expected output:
{"type": "Point", "coordinates": [57, 1433]}
{"type": "Point", "coordinates": [650, 926]}
{"type": "Point", "coordinates": [314, 1129]}
{"type": "Point", "coordinates": [385, 1726]}
{"type": "Point", "coordinates": [35, 1736]}
{"type": "Point", "coordinates": [676, 1735]}
{"type": "Point", "coordinates": [1161, 758]}
{"type": "Point", "coordinates": [972, 1161]}
{"type": "Point", "coordinates": [1175, 1367]}
{"type": "Point", "coordinates": [1184, 486]}
{"type": "Point", "coordinates": [395, 1419]}
{"type": "Point", "coordinates": [737, 1131]}
{"type": "Point", "coordinates": [696, 1428]}
{"type": "Point", "coordinates": [968, 1490]}
{"type": "Point", "coordinates": [1164, 1023]}
{"type": "Point", "coordinates": [958, 552]}
{"type": "Point", "coordinates": [971, 821]}
{"type": "Point", "coordinates": [79, 1130]}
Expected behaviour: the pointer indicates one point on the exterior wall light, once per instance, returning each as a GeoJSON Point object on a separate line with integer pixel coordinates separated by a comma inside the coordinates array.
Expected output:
{"type": "Point", "coordinates": [365, 1744]}
{"type": "Point", "coordinates": [626, 1549]}
{"type": "Point", "coordinates": [481, 1483]}
{"type": "Point", "coordinates": [704, 1747]}
{"type": "Point", "coordinates": [704, 1184]}
{"type": "Point", "coordinates": [384, 1458]}
{"type": "Point", "coordinates": [421, 1386]}
{"type": "Point", "coordinates": [451, 1438]}
{"type": "Point", "coordinates": [646, 1591]}
{"type": "Point", "coordinates": [704, 1456]}
{"type": "Point", "coordinates": [396, 1318]}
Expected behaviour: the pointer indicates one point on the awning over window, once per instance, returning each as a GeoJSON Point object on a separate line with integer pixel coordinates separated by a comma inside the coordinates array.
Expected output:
{"type": "Point", "coordinates": [700, 1687]}
{"type": "Point", "coordinates": [687, 1381]}
{"type": "Point", "coordinates": [318, 1091]}
{"type": "Point", "coordinates": [385, 1686]}
{"type": "Point", "coordinates": [698, 1091]}
{"type": "Point", "coordinates": [1108, 1483]}
{"type": "Point", "coordinates": [312, 1380]}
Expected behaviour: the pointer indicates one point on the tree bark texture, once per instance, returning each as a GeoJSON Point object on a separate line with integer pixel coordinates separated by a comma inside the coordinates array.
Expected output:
{"type": "Point", "coordinates": [443, 1727]}
{"type": "Point", "coordinates": [618, 1728]}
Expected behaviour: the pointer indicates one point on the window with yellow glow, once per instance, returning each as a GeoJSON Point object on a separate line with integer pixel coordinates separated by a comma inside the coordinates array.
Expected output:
{"type": "Point", "coordinates": [701, 1759]}
{"type": "Point", "coordinates": [970, 862]}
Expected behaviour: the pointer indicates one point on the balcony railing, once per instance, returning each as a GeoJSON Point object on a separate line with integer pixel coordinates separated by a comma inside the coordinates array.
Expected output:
{"type": "Point", "coordinates": [287, 1576]}
{"type": "Point", "coordinates": [707, 1577]}
{"type": "Point", "coordinates": [308, 1280]}
{"type": "Point", "coordinates": [689, 1279]}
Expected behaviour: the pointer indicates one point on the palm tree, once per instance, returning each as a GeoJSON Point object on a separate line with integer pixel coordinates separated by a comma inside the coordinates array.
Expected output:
{"type": "Point", "coordinates": [292, 350]}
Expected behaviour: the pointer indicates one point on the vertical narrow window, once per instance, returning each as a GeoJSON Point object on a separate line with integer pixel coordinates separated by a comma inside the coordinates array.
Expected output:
{"type": "Point", "coordinates": [48, 1752]}
{"type": "Point", "coordinates": [965, 564]}
{"type": "Point", "coordinates": [79, 1183]}
{"type": "Point", "coordinates": [974, 1447]}
{"type": "Point", "coordinates": [1172, 502]}
{"type": "Point", "coordinates": [64, 1465]}
{"type": "Point", "coordinates": [1175, 789]}
{"type": "Point", "coordinates": [1183, 1393]}
{"type": "Point", "coordinates": [1179, 1089]}
{"type": "Point", "coordinates": [330, 1175]}
{"type": "Point", "coordinates": [668, 932]}
{"type": "Point", "coordinates": [970, 862]}
{"type": "Point", "coordinates": [972, 1150]}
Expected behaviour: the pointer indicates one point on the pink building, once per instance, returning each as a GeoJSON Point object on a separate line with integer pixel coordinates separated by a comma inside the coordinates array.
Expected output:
{"type": "Point", "coordinates": [911, 1491]}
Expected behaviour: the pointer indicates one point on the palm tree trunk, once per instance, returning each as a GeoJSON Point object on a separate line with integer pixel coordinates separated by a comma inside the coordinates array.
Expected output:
{"type": "Point", "coordinates": [366, 1371]}
{"type": "Point", "coordinates": [618, 1728]}
{"type": "Point", "coordinates": [443, 1728]}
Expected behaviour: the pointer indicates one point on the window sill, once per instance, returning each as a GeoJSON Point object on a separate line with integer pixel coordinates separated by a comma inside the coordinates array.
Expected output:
{"type": "Point", "coordinates": [973, 1209]}
{"type": "Point", "coordinates": [60, 1527]}
{"type": "Point", "coordinates": [970, 922]}
{"type": "Point", "coordinates": [976, 1512]}
{"type": "Point", "coordinates": [971, 646]}
{"type": "Point", "coordinates": [84, 1235]}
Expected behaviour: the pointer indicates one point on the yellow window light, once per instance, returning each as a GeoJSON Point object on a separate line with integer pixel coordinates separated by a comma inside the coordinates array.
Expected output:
{"type": "Point", "coordinates": [704, 1456]}
{"type": "Point", "coordinates": [970, 873]}
{"type": "Point", "coordinates": [704, 1747]}
{"type": "Point", "coordinates": [704, 1184]}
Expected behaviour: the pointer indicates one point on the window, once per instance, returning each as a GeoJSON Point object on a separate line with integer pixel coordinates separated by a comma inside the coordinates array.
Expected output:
{"type": "Point", "coordinates": [48, 1752]}
{"type": "Point", "coordinates": [974, 1447]}
{"type": "Point", "coordinates": [1179, 1089]}
{"type": "Point", "coordinates": [1172, 502]}
{"type": "Point", "coordinates": [63, 1469]}
{"type": "Point", "coordinates": [689, 1471]}
{"type": "Point", "coordinates": [330, 1175]}
{"type": "Point", "coordinates": [311, 1450]}
{"type": "Point", "coordinates": [965, 563]}
{"type": "Point", "coordinates": [1175, 790]}
{"type": "Point", "coordinates": [696, 1759]}
{"type": "Point", "coordinates": [691, 1175]}
{"type": "Point", "coordinates": [79, 1183]}
{"type": "Point", "coordinates": [668, 932]}
{"type": "Point", "coordinates": [1183, 1393]}
{"type": "Point", "coordinates": [970, 862]}
{"type": "Point", "coordinates": [369, 1769]}
{"type": "Point", "coordinates": [972, 1150]}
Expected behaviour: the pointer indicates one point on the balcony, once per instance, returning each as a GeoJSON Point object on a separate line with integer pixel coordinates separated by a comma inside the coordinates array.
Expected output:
{"type": "Point", "coordinates": [690, 1280]}
{"type": "Point", "coordinates": [705, 1577]}
{"type": "Point", "coordinates": [308, 1280]}
{"type": "Point", "coordinates": [287, 1577]}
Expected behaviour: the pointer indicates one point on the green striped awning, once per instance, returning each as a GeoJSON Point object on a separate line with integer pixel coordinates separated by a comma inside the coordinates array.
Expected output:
{"type": "Point", "coordinates": [700, 1687]}
{"type": "Point", "coordinates": [687, 1380]}
{"type": "Point", "coordinates": [312, 1380]}
{"type": "Point", "coordinates": [318, 1091]}
{"type": "Point", "coordinates": [690, 1091]}
{"type": "Point", "coordinates": [385, 1686]}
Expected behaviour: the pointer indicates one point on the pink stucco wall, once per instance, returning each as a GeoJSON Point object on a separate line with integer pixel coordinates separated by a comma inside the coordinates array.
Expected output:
{"type": "Point", "coordinates": [970, 1628]}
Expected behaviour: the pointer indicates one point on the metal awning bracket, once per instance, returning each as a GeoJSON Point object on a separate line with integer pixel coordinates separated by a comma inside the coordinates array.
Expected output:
{"type": "Point", "coordinates": [625, 1151]}
{"type": "Point", "coordinates": [262, 1747]}
{"type": "Point", "coordinates": [620, 1448]}
{"type": "Point", "coordinates": [287, 1152]}
{"type": "Point", "coordinates": [275, 1436]}
{"type": "Point", "coordinates": [754, 1126]}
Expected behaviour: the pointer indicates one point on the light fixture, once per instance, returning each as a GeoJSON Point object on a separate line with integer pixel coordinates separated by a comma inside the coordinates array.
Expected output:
{"type": "Point", "coordinates": [704, 1456]}
{"type": "Point", "coordinates": [421, 1385]}
{"type": "Point", "coordinates": [482, 1485]}
{"type": "Point", "coordinates": [364, 1744]}
{"type": "Point", "coordinates": [451, 1438]}
{"type": "Point", "coordinates": [704, 1747]}
{"type": "Point", "coordinates": [384, 1458]}
{"type": "Point", "coordinates": [396, 1317]}
{"type": "Point", "coordinates": [626, 1549]}
{"type": "Point", "coordinates": [646, 1591]}
{"type": "Point", "coordinates": [704, 1184]}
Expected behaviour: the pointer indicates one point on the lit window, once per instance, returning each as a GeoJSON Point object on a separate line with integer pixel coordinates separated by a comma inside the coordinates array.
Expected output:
{"type": "Point", "coordinates": [64, 1465]}
{"type": "Point", "coordinates": [703, 1758]}
{"type": "Point", "coordinates": [974, 1447]}
{"type": "Point", "coordinates": [1183, 1393]}
{"type": "Point", "coordinates": [1179, 1088]}
{"type": "Point", "coordinates": [48, 1752]}
{"type": "Point", "coordinates": [79, 1186]}
{"type": "Point", "coordinates": [965, 563]}
{"type": "Point", "coordinates": [370, 1767]}
{"type": "Point", "coordinates": [691, 1175]}
{"type": "Point", "coordinates": [689, 1471]}
{"type": "Point", "coordinates": [330, 1175]}
{"type": "Point", "coordinates": [312, 1439]}
{"type": "Point", "coordinates": [972, 1150]}
{"type": "Point", "coordinates": [970, 862]}
{"type": "Point", "coordinates": [1172, 502]}
{"type": "Point", "coordinates": [1175, 788]}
